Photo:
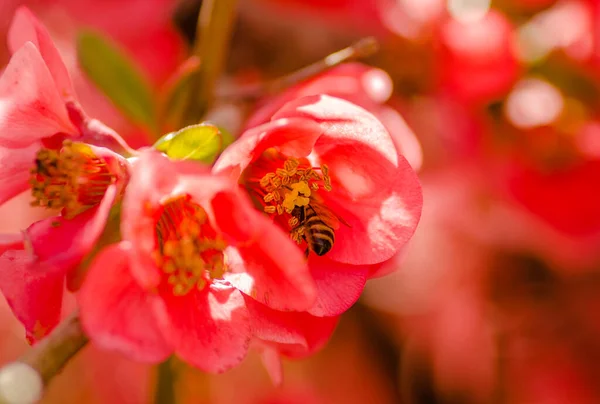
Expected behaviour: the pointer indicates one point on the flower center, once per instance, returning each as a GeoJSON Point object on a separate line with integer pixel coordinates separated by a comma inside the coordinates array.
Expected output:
{"type": "Point", "coordinates": [292, 185]}
{"type": "Point", "coordinates": [291, 192]}
{"type": "Point", "coordinates": [73, 178]}
{"type": "Point", "coordinates": [189, 252]}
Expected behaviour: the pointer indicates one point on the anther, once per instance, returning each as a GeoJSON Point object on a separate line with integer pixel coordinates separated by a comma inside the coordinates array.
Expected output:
{"type": "Point", "coordinates": [292, 185]}
{"type": "Point", "coordinates": [73, 178]}
{"type": "Point", "coordinates": [188, 249]}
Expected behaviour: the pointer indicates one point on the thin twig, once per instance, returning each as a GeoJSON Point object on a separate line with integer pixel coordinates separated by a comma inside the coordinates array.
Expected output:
{"type": "Point", "coordinates": [360, 49]}
{"type": "Point", "coordinates": [165, 384]}
{"type": "Point", "coordinates": [213, 34]}
{"type": "Point", "coordinates": [50, 355]}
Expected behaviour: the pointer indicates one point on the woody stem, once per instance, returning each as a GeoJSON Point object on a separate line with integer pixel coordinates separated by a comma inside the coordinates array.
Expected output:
{"type": "Point", "coordinates": [213, 34]}
{"type": "Point", "coordinates": [165, 384]}
{"type": "Point", "coordinates": [49, 356]}
{"type": "Point", "coordinates": [360, 49]}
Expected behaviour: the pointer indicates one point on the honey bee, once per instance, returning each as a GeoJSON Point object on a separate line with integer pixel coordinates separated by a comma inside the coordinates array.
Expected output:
{"type": "Point", "coordinates": [316, 226]}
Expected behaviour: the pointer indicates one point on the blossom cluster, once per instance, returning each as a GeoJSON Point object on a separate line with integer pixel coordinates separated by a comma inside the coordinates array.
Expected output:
{"type": "Point", "coordinates": [266, 248]}
{"type": "Point", "coordinates": [497, 294]}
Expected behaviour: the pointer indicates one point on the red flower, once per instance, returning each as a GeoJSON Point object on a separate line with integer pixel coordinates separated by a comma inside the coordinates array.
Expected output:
{"type": "Point", "coordinates": [81, 182]}
{"type": "Point", "coordinates": [39, 119]}
{"type": "Point", "coordinates": [477, 60]}
{"type": "Point", "coordinates": [328, 173]}
{"type": "Point", "coordinates": [194, 255]}
{"type": "Point", "coordinates": [363, 85]}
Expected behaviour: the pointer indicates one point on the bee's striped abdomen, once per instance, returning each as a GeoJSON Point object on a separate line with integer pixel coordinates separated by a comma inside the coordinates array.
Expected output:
{"type": "Point", "coordinates": [319, 236]}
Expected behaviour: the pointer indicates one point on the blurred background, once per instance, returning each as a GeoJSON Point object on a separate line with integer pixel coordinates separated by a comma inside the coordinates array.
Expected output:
{"type": "Point", "coordinates": [497, 298]}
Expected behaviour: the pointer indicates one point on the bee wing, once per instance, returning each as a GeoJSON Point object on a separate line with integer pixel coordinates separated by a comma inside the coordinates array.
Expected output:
{"type": "Point", "coordinates": [329, 217]}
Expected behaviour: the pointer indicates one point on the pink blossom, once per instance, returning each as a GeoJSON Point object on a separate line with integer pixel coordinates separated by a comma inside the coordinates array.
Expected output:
{"type": "Point", "coordinates": [308, 155]}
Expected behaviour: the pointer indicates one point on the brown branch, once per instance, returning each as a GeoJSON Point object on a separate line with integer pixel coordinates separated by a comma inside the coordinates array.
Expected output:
{"type": "Point", "coordinates": [165, 383]}
{"type": "Point", "coordinates": [50, 355]}
{"type": "Point", "coordinates": [360, 49]}
{"type": "Point", "coordinates": [213, 35]}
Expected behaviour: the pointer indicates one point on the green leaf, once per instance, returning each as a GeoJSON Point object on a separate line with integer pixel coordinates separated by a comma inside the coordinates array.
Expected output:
{"type": "Point", "coordinates": [200, 142]}
{"type": "Point", "coordinates": [117, 76]}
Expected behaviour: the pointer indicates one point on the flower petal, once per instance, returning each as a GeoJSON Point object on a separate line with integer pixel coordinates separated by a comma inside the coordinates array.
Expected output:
{"type": "Point", "coordinates": [342, 123]}
{"type": "Point", "coordinates": [116, 313]}
{"type": "Point", "coordinates": [267, 265]}
{"type": "Point", "coordinates": [294, 334]}
{"type": "Point", "coordinates": [294, 137]}
{"type": "Point", "coordinates": [62, 243]}
{"type": "Point", "coordinates": [404, 138]}
{"type": "Point", "coordinates": [31, 107]}
{"type": "Point", "coordinates": [14, 170]}
{"type": "Point", "coordinates": [387, 267]}
{"type": "Point", "coordinates": [380, 224]}
{"type": "Point", "coordinates": [33, 293]}
{"type": "Point", "coordinates": [10, 241]}
{"type": "Point", "coordinates": [338, 285]}
{"type": "Point", "coordinates": [271, 360]}
{"type": "Point", "coordinates": [26, 27]}
{"type": "Point", "coordinates": [209, 329]}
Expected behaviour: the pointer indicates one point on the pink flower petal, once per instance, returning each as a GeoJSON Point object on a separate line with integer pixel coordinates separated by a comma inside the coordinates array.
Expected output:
{"type": "Point", "coordinates": [267, 264]}
{"type": "Point", "coordinates": [380, 223]}
{"type": "Point", "coordinates": [31, 107]}
{"type": "Point", "coordinates": [342, 123]}
{"type": "Point", "coordinates": [33, 293]}
{"type": "Point", "coordinates": [389, 266]}
{"type": "Point", "coordinates": [26, 28]}
{"type": "Point", "coordinates": [117, 313]}
{"type": "Point", "coordinates": [62, 243]}
{"type": "Point", "coordinates": [14, 170]}
{"type": "Point", "coordinates": [12, 241]}
{"type": "Point", "coordinates": [294, 137]}
{"type": "Point", "coordinates": [338, 285]}
{"type": "Point", "coordinates": [404, 138]}
{"type": "Point", "coordinates": [209, 329]}
{"type": "Point", "coordinates": [294, 334]}
{"type": "Point", "coordinates": [271, 360]}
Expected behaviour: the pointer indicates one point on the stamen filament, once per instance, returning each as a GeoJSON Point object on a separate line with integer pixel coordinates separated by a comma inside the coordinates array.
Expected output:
{"type": "Point", "coordinates": [73, 178]}
{"type": "Point", "coordinates": [188, 249]}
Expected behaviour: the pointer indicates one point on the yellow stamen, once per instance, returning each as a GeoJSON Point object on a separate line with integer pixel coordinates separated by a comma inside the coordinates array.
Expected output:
{"type": "Point", "coordinates": [189, 252]}
{"type": "Point", "coordinates": [292, 185]}
{"type": "Point", "coordinates": [72, 178]}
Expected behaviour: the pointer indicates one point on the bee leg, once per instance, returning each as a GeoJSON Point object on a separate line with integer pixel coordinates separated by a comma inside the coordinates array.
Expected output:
{"type": "Point", "coordinates": [307, 247]}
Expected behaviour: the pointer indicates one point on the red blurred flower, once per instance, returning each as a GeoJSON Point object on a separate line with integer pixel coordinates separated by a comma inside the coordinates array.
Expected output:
{"type": "Point", "coordinates": [552, 164]}
{"type": "Point", "coordinates": [39, 121]}
{"type": "Point", "coordinates": [328, 173]}
{"type": "Point", "coordinates": [195, 265]}
{"type": "Point", "coordinates": [477, 59]}
{"type": "Point", "coordinates": [363, 85]}
{"type": "Point", "coordinates": [405, 18]}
